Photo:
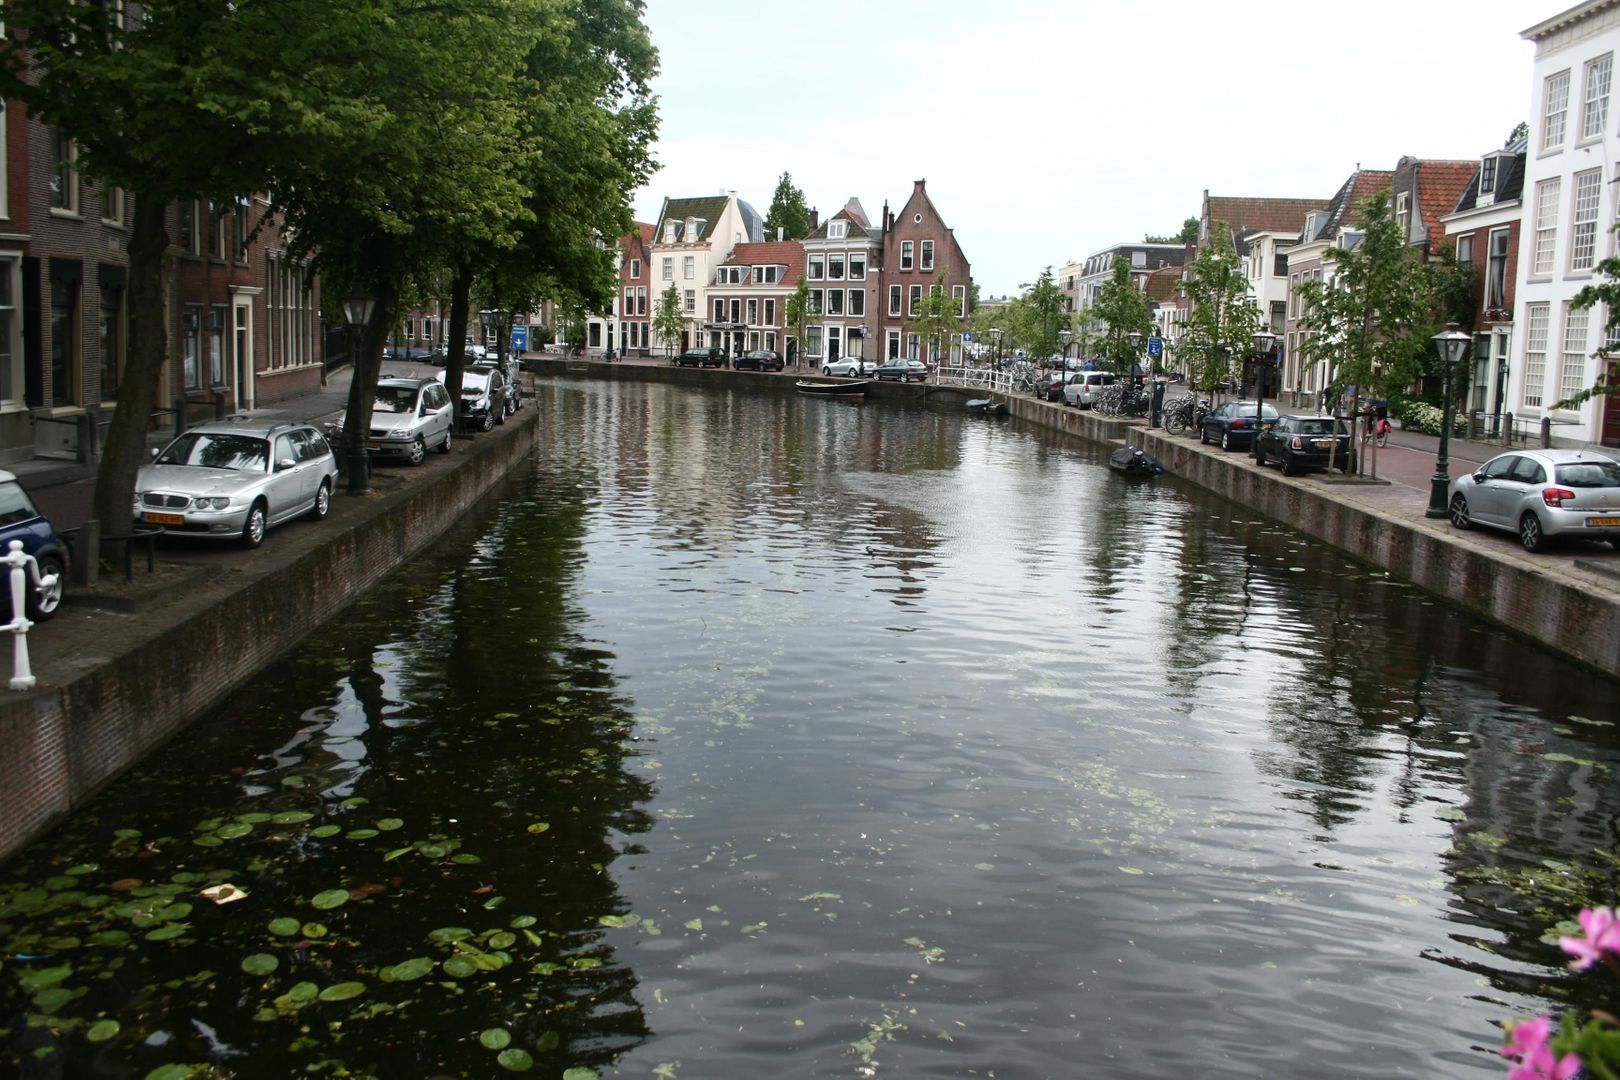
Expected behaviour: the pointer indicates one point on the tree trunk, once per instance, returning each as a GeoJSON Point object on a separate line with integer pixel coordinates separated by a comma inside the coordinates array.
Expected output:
{"type": "Point", "coordinates": [455, 355]}
{"type": "Point", "coordinates": [363, 387]}
{"type": "Point", "coordinates": [125, 449]}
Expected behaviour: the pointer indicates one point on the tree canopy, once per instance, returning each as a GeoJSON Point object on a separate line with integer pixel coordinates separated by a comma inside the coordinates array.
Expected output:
{"type": "Point", "coordinates": [1187, 235]}
{"type": "Point", "coordinates": [788, 212]}
{"type": "Point", "coordinates": [1122, 310]}
{"type": "Point", "coordinates": [1222, 320]}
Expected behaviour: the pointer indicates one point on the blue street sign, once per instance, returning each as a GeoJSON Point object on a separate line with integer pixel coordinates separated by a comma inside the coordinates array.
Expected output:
{"type": "Point", "coordinates": [1155, 347]}
{"type": "Point", "coordinates": [967, 336]}
{"type": "Point", "coordinates": [520, 339]}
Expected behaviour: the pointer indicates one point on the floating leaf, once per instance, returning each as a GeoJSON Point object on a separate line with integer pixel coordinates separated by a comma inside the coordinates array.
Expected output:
{"type": "Point", "coordinates": [353, 801]}
{"type": "Point", "coordinates": [167, 933]}
{"type": "Point", "coordinates": [515, 1060]}
{"type": "Point", "coordinates": [260, 964]}
{"type": "Point", "coordinates": [549, 1041]}
{"type": "Point", "coordinates": [208, 841]}
{"type": "Point", "coordinates": [579, 1072]}
{"type": "Point", "coordinates": [314, 930]}
{"type": "Point", "coordinates": [389, 824]}
{"type": "Point", "coordinates": [362, 834]}
{"type": "Point", "coordinates": [414, 968]}
{"type": "Point", "coordinates": [465, 859]}
{"type": "Point", "coordinates": [495, 1038]}
{"type": "Point", "coordinates": [254, 818]}
{"type": "Point", "coordinates": [284, 927]}
{"type": "Point", "coordinates": [292, 817]}
{"type": "Point", "coordinates": [520, 921]}
{"type": "Point", "coordinates": [694, 924]}
{"type": "Point", "coordinates": [611, 920]}
{"type": "Point", "coordinates": [444, 935]}
{"type": "Point", "coordinates": [502, 940]}
{"type": "Point", "coordinates": [343, 991]}
{"type": "Point", "coordinates": [321, 832]}
{"type": "Point", "coordinates": [83, 869]}
{"type": "Point", "coordinates": [224, 893]}
{"type": "Point", "coordinates": [292, 781]}
{"type": "Point", "coordinates": [110, 937]}
{"type": "Point", "coordinates": [233, 831]}
{"type": "Point", "coordinates": [984, 866]}
{"type": "Point", "coordinates": [171, 1072]}
{"type": "Point", "coordinates": [459, 967]}
{"type": "Point", "coordinates": [539, 827]}
{"type": "Point", "coordinates": [102, 1030]}
{"type": "Point", "coordinates": [52, 998]}
{"type": "Point", "coordinates": [1450, 813]}
{"type": "Point", "coordinates": [330, 898]}
{"type": "Point", "coordinates": [397, 852]}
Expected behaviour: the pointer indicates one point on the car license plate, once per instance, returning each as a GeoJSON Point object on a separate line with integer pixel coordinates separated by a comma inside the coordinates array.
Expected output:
{"type": "Point", "coordinates": [373, 446]}
{"type": "Point", "coordinates": [1603, 523]}
{"type": "Point", "coordinates": [1324, 443]}
{"type": "Point", "coordinates": [163, 519]}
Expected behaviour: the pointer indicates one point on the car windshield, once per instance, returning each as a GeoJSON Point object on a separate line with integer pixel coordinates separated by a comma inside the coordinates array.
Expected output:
{"type": "Point", "coordinates": [393, 399]}
{"type": "Point", "coordinates": [214, 450]}
{"type": "Point", "coordinates": [14, 505]}
{"type": "Point", "coordinates": [473, 384]}
{"type": "Point", "coordinates": [1316, 425]}
{"type": "Point", "coordinates": [1589, 474]}
{"type": "Point", "coordinates": [1248, 410]}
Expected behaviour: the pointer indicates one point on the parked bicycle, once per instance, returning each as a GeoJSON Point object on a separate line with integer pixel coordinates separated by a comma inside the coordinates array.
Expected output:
{"type": "Point", "coordinates": [1375, 428]}
{"type": "Point", "coordinates": [1184, 412]}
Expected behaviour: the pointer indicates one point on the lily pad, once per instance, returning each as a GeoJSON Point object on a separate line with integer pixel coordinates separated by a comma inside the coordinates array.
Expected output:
{"type": "Point", "coordinates": [414, 968]}
{"type": "Point", "coordinates": [170, 1072]}
{"type": "Point", "coordinates": [167, 932]}
{"type": "Point", "coordinates": [361, 834]}
{"type": "Point", "coordinates": [459, 967]}
{"type": "Point", "coordinates": [292, 817]}
{"type": "Point", "coordinates": [516, 1060]}
{"type": "Point", "coordinates": [315, 930]}
{"type": "Point", "coordinates": [102, 1030]}
{"type": "Point", "coordinates": [465, 859]}
{"type": "Point", "coordinates": [321, 832]}
{"type": "Point", "coordinates": [389, 824]}
{"type": "Point", "coordinates": [330, 898]}
{"type": "Point", "coordinates": [502, 940]}
{"type": "Point", "coordinates": [539, 827]}
{"type": "Point", "coordinates": [254, 818]}
{"type": "Point", "coordinates": [343, 991]}
{"type": "Point", "coordinates": [35, 980]}
{"type": "Point", "coordinates": [520, 921]}
{"type": "Point", "coordinates": [444, 935]}
{"type": "Point", "coordinates": [579, 1072]}
{"type": "Point", "coordinates": [260, 964]}
{"type": "Point", "coordinates": [284, 927]}
{"type": "Point", "coordinates": [234, 830]}
{"type": "Point", "coordinates": [495, 1038]}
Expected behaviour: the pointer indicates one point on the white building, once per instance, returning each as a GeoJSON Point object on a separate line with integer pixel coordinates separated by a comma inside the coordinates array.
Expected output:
{"type": "Point", "coordinates": [691, 238]}
{"type": "Point", "coordinates": [1569, 203]}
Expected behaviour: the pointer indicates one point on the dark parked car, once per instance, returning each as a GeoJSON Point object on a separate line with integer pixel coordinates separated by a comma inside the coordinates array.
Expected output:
{"type": "Point", "coordinates": [483, 396]}
{"type": "Point", "coordinates": [1305, 442]}
{"type": "Point", "coordinates": [1542, 495]}
{"type": "Point", "coordinates": [398, 352]}
{"type": "Point", "coordinates": [20, 520]}
{"type": "Point", "coordinates": [709, 357]}
{"type": "Point", "coordinates": [759, 360]}
{"type": "Point", "coordinates": [1232, 424]}
{"type": "Point", "coordinates": [902, 371]}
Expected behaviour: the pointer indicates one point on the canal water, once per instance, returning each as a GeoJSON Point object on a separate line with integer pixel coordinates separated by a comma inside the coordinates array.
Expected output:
{"type": "Point", "coordinates": [754, 735]}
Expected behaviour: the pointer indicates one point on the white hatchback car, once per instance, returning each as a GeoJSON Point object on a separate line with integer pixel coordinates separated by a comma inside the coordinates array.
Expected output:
{"type": "Point", "coordinates": [848, 365]}
{"type": "Point", "coordinates": [1082, 385]}
{"type": "Point", "coordinates": [1541, 495]}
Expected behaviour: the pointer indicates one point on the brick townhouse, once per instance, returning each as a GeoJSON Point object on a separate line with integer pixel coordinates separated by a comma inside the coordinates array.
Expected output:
{"type": "Point", "coordinates": [635, 292]}
{"type": "Point", "coordinates": [919, 253]}
{"type": "Point", "coordinates": [841, 259]}
{"type": "Point", "coordinates": [747, 300]}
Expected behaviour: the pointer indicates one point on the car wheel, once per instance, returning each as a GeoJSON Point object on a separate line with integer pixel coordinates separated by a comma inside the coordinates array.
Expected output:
{"type": "Point", "coordinates": [253, 528]}
{"type": "Point", "coordinates": [444, 447]}
{"type": "Point", "coordinates": [1459, 512]}
{"type": "Point", "coordinates": [41, 603]}
{"type": "Point", "coordinates": [1530, 534]}
{"type": "Point", "coordinates": [500, 414]}
{"type": "Point", "coordinates": [1203, 435]}
{"type": "Point", "coordinates": [826, 371]}
{"type": "Point", "coordinates": [417, 452]}
{"type": "Point", "coordinates": [1226, 440]}
{"type": "Point", "coordinates": [487, 421]}
{"type": "Point", "coordinates": [323, 502]}
{"type": "Point", "coordinates": [1289, 468]}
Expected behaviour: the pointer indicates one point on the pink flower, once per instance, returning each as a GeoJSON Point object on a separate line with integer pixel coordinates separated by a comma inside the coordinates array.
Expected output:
{"type": "Point", "coordinates": [1533, 1058]}
{"type": "Point", "coordinates": [1602, 936]}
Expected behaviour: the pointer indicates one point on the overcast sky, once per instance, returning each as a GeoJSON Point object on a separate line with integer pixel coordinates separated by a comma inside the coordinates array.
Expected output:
{"type": "Point", "coordinates": [1050, 129]}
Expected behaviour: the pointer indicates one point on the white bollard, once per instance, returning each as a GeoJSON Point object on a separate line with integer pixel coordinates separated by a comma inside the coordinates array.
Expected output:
{"type": "Point", "coordinates": [23, 568]}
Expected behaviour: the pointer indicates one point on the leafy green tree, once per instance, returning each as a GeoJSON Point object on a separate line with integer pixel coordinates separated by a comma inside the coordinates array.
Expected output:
{"type": "Point", "coordinates": [799, 310]}
{"type": "Point", "coordinates": [938, 318]}
{"type": "Point", "coordinates": [1370, 325]}
{"type": "Point", "coordinates": [669, 319]}
{"type": "Point", "coordinates": [788, 212]}
{"type": "Point", "coordinates": [1122, 310]}
{"type": "Point", "coordinates": [1187, 235]}
{"type": "Point", "coordinates": [1222, 321]}
{"type": "Point", "coordinates": [1606, 291]}
{"type": "Point", "coordinates": [1043, 316]}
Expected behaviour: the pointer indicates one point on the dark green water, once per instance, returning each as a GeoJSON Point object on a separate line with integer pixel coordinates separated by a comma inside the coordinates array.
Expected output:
{"type": "Point", "coordinates": [752, 735]}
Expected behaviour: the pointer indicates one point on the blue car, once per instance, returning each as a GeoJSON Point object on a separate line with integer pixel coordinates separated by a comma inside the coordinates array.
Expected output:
{"type": "Point", "coordinates": [20, 520]}
{"type": "Point", "coordinates": [1232, 425]}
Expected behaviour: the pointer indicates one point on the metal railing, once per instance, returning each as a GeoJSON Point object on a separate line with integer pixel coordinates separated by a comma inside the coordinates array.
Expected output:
{"type": "Point", "coordinates": [976, 378]}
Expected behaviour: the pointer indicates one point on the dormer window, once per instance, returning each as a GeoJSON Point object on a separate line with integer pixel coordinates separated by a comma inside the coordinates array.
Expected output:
{"type": "Point", "coordinates": [837, 230]}
{"type": "Point", "coordinates": [1487, 174]}
{"type": "Point", "coordinates": [669, 232]}
{"type": "Point", "coordinates": [1402, 215]}
{"type": "Point", "coordinates": [691, 229]}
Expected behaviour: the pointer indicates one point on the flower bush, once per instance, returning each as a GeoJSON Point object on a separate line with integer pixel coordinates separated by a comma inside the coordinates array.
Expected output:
{"type": "Point", "coordinates": [1590, 1047]}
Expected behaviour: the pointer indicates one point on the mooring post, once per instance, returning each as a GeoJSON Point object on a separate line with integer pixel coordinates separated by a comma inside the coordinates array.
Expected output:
{"type": "Point", "coordinates": [23, 567]}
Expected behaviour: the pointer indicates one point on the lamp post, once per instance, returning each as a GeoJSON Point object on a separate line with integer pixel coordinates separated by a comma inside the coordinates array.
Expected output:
{"type": "Point", "coordinates": [1263, 341]}
{"type": "Point", "coordinates": [1453, 345]}
{"type": "Point", "coordinates": [995, 336]}
{"type": "Point", "coordinates": [1067, 335]}
{"type": "Point", "coordinates": [357, 306]}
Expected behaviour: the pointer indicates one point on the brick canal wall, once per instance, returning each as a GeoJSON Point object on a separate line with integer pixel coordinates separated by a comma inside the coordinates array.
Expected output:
{"type": "Point", "coordinates": [1534, 598]}
{"type": "Point", "coordinates": [63, 741]}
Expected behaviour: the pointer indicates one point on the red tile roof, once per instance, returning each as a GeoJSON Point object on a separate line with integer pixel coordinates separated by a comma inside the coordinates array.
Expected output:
{"type": "Point", "coordinates": [1273, 215]}
{"type": "Point", "coordinates": [788, 253]}
{"type": "Point", "coordinates": [1161, 284]}
{"type": "Point", "coordinates": [1440, 185]}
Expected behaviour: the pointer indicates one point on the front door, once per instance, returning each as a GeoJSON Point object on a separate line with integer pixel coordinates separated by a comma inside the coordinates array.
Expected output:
{"type": "Point", "coordinates": [244, 355]}
{"type": "Point", "coordinates": [832, 344]}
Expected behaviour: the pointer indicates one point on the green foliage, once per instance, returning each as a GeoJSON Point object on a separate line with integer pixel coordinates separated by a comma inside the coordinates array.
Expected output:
{"type": "Point", "coordinates": [798, 311]}
{"type": "Point", "coordinates": [1371, 325]}
{"type": "Point", "coordinates": [1122, 310]}
{"type": "Point", "coordinates": [1606, 291]}
{"type": "Point", "coordinates": [1042, 316]}
{"type": "Point", "coordinates": [669, 320]}
{"type": "Point", "coordinates": [1187, 235]}
{"type": "Point", "coordinates": [1222, 321]}
{"type": "Point", "coordinates": [788, 211]}
{"type": "Point", "coordinates": [937, 318]}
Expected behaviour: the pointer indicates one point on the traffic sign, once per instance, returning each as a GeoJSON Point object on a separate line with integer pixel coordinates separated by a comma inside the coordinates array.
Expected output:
{"type": "Point", "coordinates": [1155, 347]}
{"type": "Point", "coordinates": [520, 339]}
{"type": "Point", "coordinates": [967, 336]}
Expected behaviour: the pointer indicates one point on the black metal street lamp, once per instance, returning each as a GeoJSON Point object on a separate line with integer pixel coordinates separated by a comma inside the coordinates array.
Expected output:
{"type": "Point", "coordinates": [1453, 346]}
{"type": "Point", "coordinates": [1067, 335]}
{"type": "Point", "coordinates": [995, 336]}
{"type": "Point", "coordinates": [1263, 341]}
{"type": "Point", "coordinates": [357, 306]}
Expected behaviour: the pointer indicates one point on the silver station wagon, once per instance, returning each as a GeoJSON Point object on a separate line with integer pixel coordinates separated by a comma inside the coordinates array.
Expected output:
{"type": "Point", "coordinates": [234, 479]}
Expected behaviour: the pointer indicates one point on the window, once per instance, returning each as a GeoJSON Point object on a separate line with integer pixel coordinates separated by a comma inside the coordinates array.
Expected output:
{"type": "Point", "coordinates": [216, 346]}
{"type": "Point", "coordinates": [191, 346]}
{"type": "Point", "coordinates": [857, 302]}
{"type": "Point", "coordinates": [753, 312]}
{"type": "Point", "coordinates": [857, 266]}
{"type": "Point", "coordinates": [891, 348]}
{"type": "Point", "coordinates": [1487, 175]}
{"type": "Point", "coordinates": [835, 267]}
{"type": "Point", "coordinates": [629, 301]}
{"type": "Point", "coordinates": [1465, 248]}
{"type": "Point", "coordinates": [10, 330]}
{"type": "Point", "coordinates": [219, 238]}
{"type": "Point", "coordinates": [816, 301]}
{"type": "Point", "coordinates": [767, 275]}
{"type": "Point", "coordinates": [689, 267]}
{"type": "Point", "coordinates": [719, 310]}
{"type": "Point", "coordinates": [927, 254]}
{"type": "Point", "coordinates": [1279, 264]}
{"type": "Point", "coordinates": [239, 230]}
{"type": "Point", "coordinates": [1572, 366]}
{"type": "Point", "coordinates": [1541, 263]}
{"type": "Point", "coordinates": [837, 230]}
{"type": "Point", "coordinates": [1496, 268]}
{"type": "Point", "coordinates": [1583, 225]}
{"type": "Point", "coordinates": [916, 299]}
{"type": "Point", "coordinates": [736, 311]}
{"type": "Point", "coordinates": [894, 299]}
{"type": "Point", "coordinates": [114, 205]}
{"type": "Point", "coordinates": [293, 320]}
{"type": "Point", "coordinates": [770, 311]}
{"type": "Point", "coordinates": [635, 269]}
{"type": "Point", "coordinates": [691, 300]}
{"type": "Point", "coordinates": [669, 268]}
{"type": "Point", "coordinates": [669, 232]}
{"type": "Point", "coordinates": [959, 294]}
{"type": "Point", "coordinates": [1535, 354]}
{"type": "Point", "coordinates": [1557, 105]}
{"type": "Point", "coordinates": [641, 299]}
{"type": "Point", "coordinates": [1595, 101]}
{"type": "Point", "coordinates": [1139, 260]}
{"type": "Point", "coordinates": [1403, 214]}
{"type": "Point", "coordinates": [188, 226]}
{"type": "Point", "coordinates": [905, 254]}
{"type": "Point", "coordinates": [817, 267]}
{"type": "Point", "coordinates": [5, 190]}
{"type": "Point", "coordinates": [835, 302]}
{"type": "Point", "coordinates": [64, 173]}
{"type": "Point", "coordinates": [913, 352]}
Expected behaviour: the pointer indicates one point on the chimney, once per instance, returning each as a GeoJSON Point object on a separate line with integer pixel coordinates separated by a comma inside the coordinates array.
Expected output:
{"type": "Point", "coordinates": [815, 219]}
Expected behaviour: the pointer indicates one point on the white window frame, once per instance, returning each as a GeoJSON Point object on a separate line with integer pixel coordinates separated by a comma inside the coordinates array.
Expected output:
{"type": "Point", "coordinates": [913, 298]}
{"type": "Point", "coordinates": [1555, 111]}
{"type": "Point", "coordinates": [691, 301]}
{"type": "Point", "coordinates": [1545, 240]}
{"type": "Point", "coordinates": [855, 303]}
{"type": "Point", "coordinates": [1572, 361]}
{"type": "Point", "coordinates": [65, 170]}
{"type": "Point", "coordinates": [770, 311]}
{"type": "Point", "coordinates": [1587, 195]}
{"type": "Point", "coordinates": [926, 256]}
{"type": "Point", "coordinates": [835, 265]}
{"type": "Point", "coordinates": [891, 348]}
{"type": "Point", "coordinates": [907, 248]}
{"type": "Point", "coordinates": [896, 298]}
{"type": "Point", "coordinates": [1535, 353]}
{"type": "Point", "coordinates": [837, 230]}
{"type": "Point", "coordinates": [857, 258]}
{"type": "Point", "coordinates": [669, 268]}
{"type": "Point", "coordinates": [815, 267]}
{"type": "Point", "coordinates": [688, 267]}
{"type": "Point", "coordinates": [959, 294]}
{"type": "Point", "coordinates": [1596, 79]}
{"type": "Point", "coordinates": [14, 389]}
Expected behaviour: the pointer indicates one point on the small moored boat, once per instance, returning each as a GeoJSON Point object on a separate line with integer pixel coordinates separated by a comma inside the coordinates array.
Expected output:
{"type": "Point", "coordinates": [987, 407]}
{"type": "Point", "coordinates": [856, 389]}
{"type": "Point", "coordinates": [1133, 461]}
